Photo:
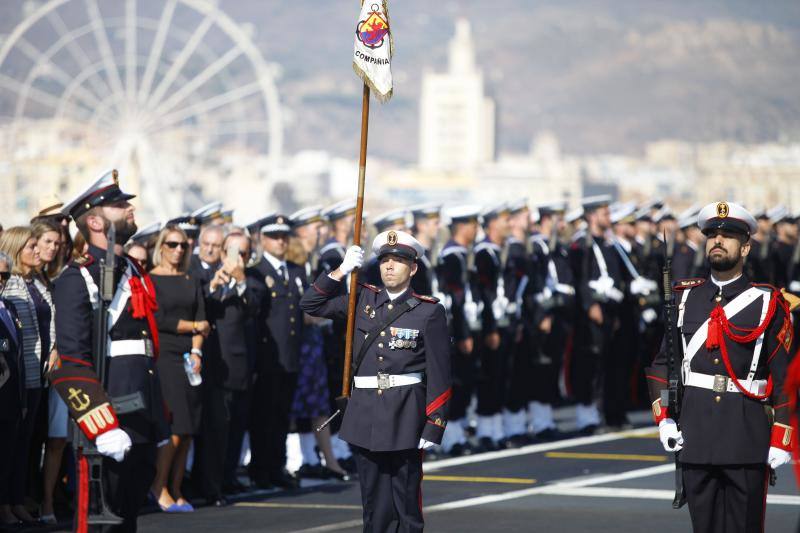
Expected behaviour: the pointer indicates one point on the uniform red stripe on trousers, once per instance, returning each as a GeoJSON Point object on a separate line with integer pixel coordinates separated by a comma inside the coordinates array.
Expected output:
{"type": "Point", "coordinates": [438, 402]}
{"type": "Point", "coordinates": [82, 525]}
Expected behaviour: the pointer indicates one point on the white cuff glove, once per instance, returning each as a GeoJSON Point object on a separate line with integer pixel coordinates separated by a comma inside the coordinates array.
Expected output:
{"type": "Point", "coordinates": [778, 457]}
{"type": "Point", "coordinates": [670, 437]}
{"type": "Point", "coordinates": [425, 444]}
{"type": "Point", "coordinates": [114, 444]}
{"type": "Point", "coordinates": [353, 259]}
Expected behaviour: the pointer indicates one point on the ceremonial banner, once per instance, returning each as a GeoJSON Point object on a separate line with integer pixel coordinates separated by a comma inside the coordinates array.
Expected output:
{"type": "Point", "coordinates": [373, 48]}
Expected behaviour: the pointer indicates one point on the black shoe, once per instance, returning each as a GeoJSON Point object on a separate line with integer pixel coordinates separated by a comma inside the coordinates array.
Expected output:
{"type": "Point", "coordinates": [516, 441]}
{"type": "Point", "coordinates": [548, 435]}
{"type": "Point", "coordinates": [485, 444]}
{"type": "Point", "coordinates": [284, 480]}
{"type": "Point", "coordinates": [312, 471]}
{"type": "Point", "coordinates": [459, 449]}
{"type": "Point", "coordinates": [234, 487]}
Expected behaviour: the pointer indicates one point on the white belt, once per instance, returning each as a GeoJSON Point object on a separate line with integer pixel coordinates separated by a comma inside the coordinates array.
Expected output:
{"type": "Point", "coordinates": [130, 347]}
{"type": "Point", "coordinates": [387, 381]}
{"type": "Point", "coordinates": [720, 383]}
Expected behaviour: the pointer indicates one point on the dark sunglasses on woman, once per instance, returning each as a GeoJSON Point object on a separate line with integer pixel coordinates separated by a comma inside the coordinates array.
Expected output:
{"type": "Point", "coordinates": [172, 245]}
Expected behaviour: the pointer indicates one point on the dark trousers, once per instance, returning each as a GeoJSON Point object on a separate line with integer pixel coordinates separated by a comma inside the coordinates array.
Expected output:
{"type": "Point", "coordinates": [273, 393]}
{"type": "Point", "coordinates": [592, 342]}
{"type": "Point", "coordinates": [726, 499]}
{"type": "Point", "coordinates": [391, 490]}
{"type": "Point", "coordinates": [491, 383]}
{"type": "Point", "coordinates": [463, 375]}
{"type": "Point", "coordinates": [127, 484]}
{"type": "Point", "coordinates": [9, 429]}
{"type": "Point", "coordinates": [520, 373]}
{"type": "Point", "coordinates": [618, 366]}
{"type": "Point", "coordinates": [211, 446]}
{"type": "Point", "coordinates": [547, 352]}
{"type": "Point", "coordinates": [240, 418]}
{"type": "Point", "coordinates": [22, 451]}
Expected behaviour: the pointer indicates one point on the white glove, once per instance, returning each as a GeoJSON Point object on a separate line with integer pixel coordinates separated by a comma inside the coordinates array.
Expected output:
{"type": "Point", "coordinates": [425, 444]}
{"type": "Point", "coordinates": [642, 286]}
{"type": "Point", "coordinates": [114, 444]}
{"type": "Point", "coordinates": [648, 315]}
{"type": "Point", "coordinates": [667, 429]}
{"type": "Point", "coordinates": [353, 259]}
{"type": "Point", "coordinates": [778, 457]}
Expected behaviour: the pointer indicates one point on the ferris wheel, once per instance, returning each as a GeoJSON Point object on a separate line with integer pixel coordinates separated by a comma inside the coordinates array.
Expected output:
{"type": "Point", "coordinates": [164, 90]}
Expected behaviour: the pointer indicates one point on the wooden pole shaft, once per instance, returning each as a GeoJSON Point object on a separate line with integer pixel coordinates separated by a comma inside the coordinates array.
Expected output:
{"type": "Point", "coordinates": [351, 303]}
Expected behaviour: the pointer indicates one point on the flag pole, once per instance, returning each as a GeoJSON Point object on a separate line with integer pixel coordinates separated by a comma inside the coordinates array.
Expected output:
{"type": "Point", "coordinates": [351, 303]}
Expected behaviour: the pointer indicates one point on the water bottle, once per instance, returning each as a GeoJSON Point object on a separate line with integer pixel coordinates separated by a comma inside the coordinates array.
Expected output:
{"type": "Point", "coordinates": [194, 379]}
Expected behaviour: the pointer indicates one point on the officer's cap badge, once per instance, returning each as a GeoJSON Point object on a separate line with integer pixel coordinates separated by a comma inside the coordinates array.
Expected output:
{"type": "Point", "coordinates": [722, 209]}
{"type": "Point", "coordinates": [391, 238]}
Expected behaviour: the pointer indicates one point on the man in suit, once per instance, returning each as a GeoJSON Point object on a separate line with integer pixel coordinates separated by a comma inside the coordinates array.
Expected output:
{"type": "Point", "coordinates": [226, 369]}
{"type": "Point", "coordinates": [734, 418]}
{"type": "Point", "coordinates": [278, 285]}
{"type": "Point", "coordinates": [404, 365]}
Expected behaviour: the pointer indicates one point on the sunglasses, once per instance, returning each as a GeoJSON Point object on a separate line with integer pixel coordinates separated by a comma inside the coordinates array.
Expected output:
{"type": "Point", "coordinates": [172, 245]}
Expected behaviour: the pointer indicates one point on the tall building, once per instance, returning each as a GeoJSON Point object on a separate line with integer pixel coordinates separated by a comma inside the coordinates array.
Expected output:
{"type": "Point", "coordinates": [457, 120]}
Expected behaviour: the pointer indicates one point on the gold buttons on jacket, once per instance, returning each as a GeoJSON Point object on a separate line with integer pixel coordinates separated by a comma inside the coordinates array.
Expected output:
{"type": "Point", "coordinates": [380, 358]}
{"type": "Point", "coordinates": [144, 333]}
{"type": "Point", "coordinates": [380, 345]}
{"type": "Point", "coordinates": [383, 333]}
{"type": "Point", "coordinates": [716, 361]}
{"type": "Point", "coordinates": [291, 319]}
{"type": "Point", "coordinates": [380, 392]}
{"type": "Point", "coordinates": [717, 399]}
{"type": "Point", "coordinates": [390, 306]}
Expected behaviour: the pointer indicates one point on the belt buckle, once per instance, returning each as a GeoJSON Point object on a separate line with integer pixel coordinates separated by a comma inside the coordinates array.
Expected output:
{"type": "Point", "coordinates": [720, 383]}
{"type": "Point", "coordinates": [148, 348]}
{"type": "Point", "coordinates": [383, 381]}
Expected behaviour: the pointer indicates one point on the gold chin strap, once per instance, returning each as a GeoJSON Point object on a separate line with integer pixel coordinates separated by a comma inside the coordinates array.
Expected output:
{"type": "Point", "coordinates": [794, 301]}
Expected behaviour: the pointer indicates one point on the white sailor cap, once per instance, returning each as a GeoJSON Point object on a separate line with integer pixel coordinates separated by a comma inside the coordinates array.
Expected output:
{"type": "Point", "coordinates": [307, 215]}
{"type": "Point", "coordinates": [275, 224]}
{"type": "Point", "coordinates": [208, 212]}
{"type": "Point", "coordinates": [726, 216]}
{"type": "Point", "coordinates": [187, 223]}
{"type": "Point", "coordinates": [779, 214]}
{"type": "Point", "coordinates": [551, 208]}
{"type": "Point", "coordinates": [146, 232]}
{"type": "Point", "coordinates": [643, 215]}
{"type": "Point", "coordinates": [517, 206]}
{"type": "Point", "coordinates": [462, 213]}
{"type": "Point", "coordinates": [665, 213]}
{"type": "Point", "coordinates": [399, 218]}
{"type": "Point", "coordinates": [397, 243]}
{"type": "Point", "coordinates": [590, 203]}
{"type": "Point", "coordinates": [103, 191]}
{"type": "Point", "coordinates": [688, 218]}
{"type": "Point", "coordinates": [624, 214]}
{"type": "Point", "coordinates": [339, 210]}
{"type": "Point", "coordinates": [493, 211]}
{"type": "Point", "coordinates": [573, 215]}
{"type": "Point", "coordinates": [426, 211]}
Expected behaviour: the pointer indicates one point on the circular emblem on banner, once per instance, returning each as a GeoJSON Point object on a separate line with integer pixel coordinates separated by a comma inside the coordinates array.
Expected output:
{"type": "Point", "coordinates": [391, 239]}
{"type": "Point", "coordinates": [372, 31]}
{"type": "Point", "coordinates": [722, 210]}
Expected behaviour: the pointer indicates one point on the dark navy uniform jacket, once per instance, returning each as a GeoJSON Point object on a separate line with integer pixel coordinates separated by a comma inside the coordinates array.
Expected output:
{"type": "Point", "coordinates": [395, 418]}
{"type": "Point", "coordinates": [280, 320]}
{"type": "Point", "coordinates": [586, 268]}
{"type": "Point", "coordinates": [76, 380]}
{"type": "Point", "coordinates": [537, 308]}
{"type": "Point", "coordinates": [728, 428]}
{"type": "Point", "coordinates": [12, 392]}
{"type": "Point", "coordinates": [453, 281]}
{"type": "Point", "coordinates": [489, 267]}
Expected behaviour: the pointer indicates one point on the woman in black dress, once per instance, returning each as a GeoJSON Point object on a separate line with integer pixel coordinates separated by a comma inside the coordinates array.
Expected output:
{"type": "Point", "coordinates": [182, 326]}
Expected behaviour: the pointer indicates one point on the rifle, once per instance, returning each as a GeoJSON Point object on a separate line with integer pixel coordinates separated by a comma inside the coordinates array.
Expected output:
{"type": "Point", "coordinates": [671, 397]}
{"type": "Point", "coordinates": [94, 510]}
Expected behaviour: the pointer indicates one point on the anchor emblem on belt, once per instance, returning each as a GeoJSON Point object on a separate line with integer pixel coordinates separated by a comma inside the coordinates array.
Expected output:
{"type": "Point", "coordinates": [78, 399]}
